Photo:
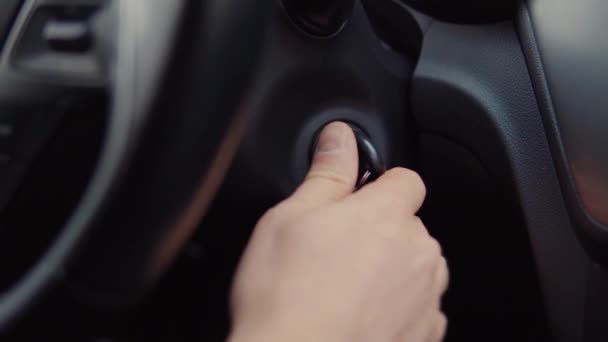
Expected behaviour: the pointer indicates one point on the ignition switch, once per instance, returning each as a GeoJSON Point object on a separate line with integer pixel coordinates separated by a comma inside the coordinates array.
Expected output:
{"type": "Point", "coordinates": [371, 166]}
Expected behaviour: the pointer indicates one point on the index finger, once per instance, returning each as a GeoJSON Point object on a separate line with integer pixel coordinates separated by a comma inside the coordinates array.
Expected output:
{"type": "Point", "coordinates": [398, 187]}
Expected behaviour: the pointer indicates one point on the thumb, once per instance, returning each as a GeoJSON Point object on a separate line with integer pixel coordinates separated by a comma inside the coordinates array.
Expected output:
{"type": "Point", "coordinates": [333, 173]}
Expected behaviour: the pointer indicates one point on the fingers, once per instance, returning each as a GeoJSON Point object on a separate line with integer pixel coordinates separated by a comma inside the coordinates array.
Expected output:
{"type": "Point", "coordinates": [333, 173]}
{"type": "Point", "coordinates": [397, 188]}
{"type": "Point", "coordinates": [439, 327]}
{"type": "Point", "coordinates": [442, 277]}
{"type": "Point", "coordinates": [431, 328]}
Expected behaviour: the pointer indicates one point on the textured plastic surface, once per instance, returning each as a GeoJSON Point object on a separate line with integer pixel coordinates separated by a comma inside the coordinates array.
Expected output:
{"type": "Point", "coordinates": [566, 52]}
{"type": "Point", "coordinates": [304, 83]}
{"type": "Point", "coordinates": [472, 86]}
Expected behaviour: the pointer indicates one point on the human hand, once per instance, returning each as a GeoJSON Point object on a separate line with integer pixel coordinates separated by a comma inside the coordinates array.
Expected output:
{"type": "Point", "coordinates": [331, 265]}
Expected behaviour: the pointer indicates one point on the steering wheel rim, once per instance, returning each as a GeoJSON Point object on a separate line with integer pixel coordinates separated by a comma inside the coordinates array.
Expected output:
{"type": "Point", "coordinates": [144, 50]}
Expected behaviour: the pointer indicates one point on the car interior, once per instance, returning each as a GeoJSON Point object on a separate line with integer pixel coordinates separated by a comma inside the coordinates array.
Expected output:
{"type": "Point", "coordinates": [141, 140]}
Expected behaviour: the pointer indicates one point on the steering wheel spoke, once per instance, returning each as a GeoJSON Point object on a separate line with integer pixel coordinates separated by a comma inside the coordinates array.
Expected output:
{"type": "Point", "coordinates": [163, 67]}
{"type": "Point", "coordinates": [61, 42]}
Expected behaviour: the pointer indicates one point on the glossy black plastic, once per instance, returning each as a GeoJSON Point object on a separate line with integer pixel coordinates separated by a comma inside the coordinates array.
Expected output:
{"type": "Point", "coordinates": [371, 166]}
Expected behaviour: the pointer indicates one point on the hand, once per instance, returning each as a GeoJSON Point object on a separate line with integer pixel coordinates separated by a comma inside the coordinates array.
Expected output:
{"type": "Point", "coordinates": [331, 265]}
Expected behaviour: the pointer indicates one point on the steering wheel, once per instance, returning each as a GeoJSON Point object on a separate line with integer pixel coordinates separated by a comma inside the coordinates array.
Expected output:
{"type": "Point", "coordinates": [175, 73]}
{"type": "Point", "coordinates": [500, 108]}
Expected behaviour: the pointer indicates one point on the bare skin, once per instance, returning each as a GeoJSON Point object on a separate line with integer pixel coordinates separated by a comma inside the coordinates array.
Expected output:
{"type": "Point", "coordinates": [330, 265]}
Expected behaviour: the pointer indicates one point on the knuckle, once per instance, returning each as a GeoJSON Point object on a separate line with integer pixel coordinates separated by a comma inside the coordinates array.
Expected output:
{"type": "Point", "coordinates": [441, 326]}
{"type": "Point", "coordinates": [434, 249]}
{"type": "Point", "coordinates": [417, 183]}
{"type": "Point", "coordinates": [410, 178]}
{"type": "Point", "coordinates": [407, 180]}
{"type": "Point", "coordinates": [431, 252]}
{"type": "Point", "coordinates": [419, 225]}
{"type": "Point", "coordinates": [444, 276]}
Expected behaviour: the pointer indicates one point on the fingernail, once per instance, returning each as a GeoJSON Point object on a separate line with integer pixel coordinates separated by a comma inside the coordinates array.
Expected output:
{"type": "Point", "coordinates": [331, 138]}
